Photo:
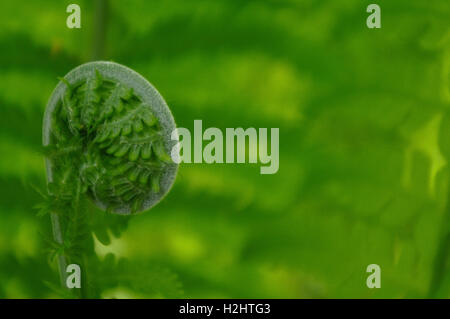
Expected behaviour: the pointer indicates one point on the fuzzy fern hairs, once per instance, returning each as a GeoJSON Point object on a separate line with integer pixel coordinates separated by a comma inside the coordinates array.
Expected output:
{"type": "Point", "coordinates": [108, 129]}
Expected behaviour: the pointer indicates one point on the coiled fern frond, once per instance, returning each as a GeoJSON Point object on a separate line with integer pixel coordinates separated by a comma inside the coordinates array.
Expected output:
{"type": "Point", "coordinates": [107, 133]}
{"type": "Point", "coordinates": [108, 127]}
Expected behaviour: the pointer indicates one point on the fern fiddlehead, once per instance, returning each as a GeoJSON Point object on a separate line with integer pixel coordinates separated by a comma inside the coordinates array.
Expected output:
{"type": "Point", "coordinates": [107, 134]}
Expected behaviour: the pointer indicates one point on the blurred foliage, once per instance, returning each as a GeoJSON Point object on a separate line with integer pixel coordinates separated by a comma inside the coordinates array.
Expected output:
{"type": "Point", "coordinates": [364, 126]}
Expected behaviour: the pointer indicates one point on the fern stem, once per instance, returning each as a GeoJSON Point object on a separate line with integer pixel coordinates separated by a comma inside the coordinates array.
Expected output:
{"type": "Point", "coordinates": [442, 252]}
{"type": "Point", "coordinates": [57, 235]}
{"type": "Point", "coordinates": [100, 28]}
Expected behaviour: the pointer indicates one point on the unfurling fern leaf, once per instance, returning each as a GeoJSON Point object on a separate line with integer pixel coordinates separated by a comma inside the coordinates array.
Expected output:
{"type": "Point", "coordinates": [114, 113]}
{"type": "Point", "coordinates": [107, 133]}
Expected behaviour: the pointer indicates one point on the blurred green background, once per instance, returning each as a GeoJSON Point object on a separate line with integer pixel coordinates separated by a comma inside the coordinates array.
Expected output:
{"type": "Point", "coordinates": [362, 179]}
